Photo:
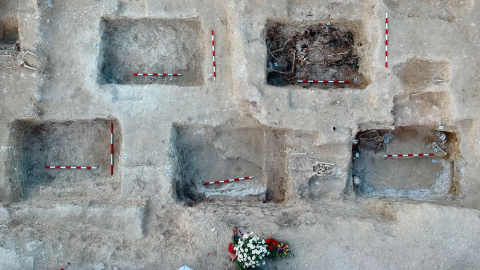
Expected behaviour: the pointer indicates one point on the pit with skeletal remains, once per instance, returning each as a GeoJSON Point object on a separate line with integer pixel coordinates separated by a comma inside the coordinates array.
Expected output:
{"type": "Point", "coordinates": [319, 51]}
{"type": "Point", "coordinates": [425, 178]}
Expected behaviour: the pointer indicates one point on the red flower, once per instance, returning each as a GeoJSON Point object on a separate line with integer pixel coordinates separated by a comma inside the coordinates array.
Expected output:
{"type": "Point", "coordinates": [269, 241]}
{"type": "Point", "coordinates": [270, 247]}
{"type": "Point", "coordinates": [230, 248]}
{"type": "Point", "coordinates": [275, 242]}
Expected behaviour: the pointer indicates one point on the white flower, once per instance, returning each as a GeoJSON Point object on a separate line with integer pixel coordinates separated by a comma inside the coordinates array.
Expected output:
{"type": "Point", "coordinates": [253, 258]}
{"type": "Point", "coordinates": [263, 263]}
{"type": "Point", "coordinates": [246, 250]}
{"type": "Point", "coordinates": [263, 241]}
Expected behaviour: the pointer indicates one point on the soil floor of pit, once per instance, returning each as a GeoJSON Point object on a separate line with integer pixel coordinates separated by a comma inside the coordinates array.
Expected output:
{"type": "Point", "coordinates": [74, 64]}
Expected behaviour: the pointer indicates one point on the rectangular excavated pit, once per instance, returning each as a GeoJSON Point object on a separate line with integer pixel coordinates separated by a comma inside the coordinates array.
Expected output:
{"type": "Point", "coordinates": [207, 154]}
{"type": "Point", "coordinates": [151, 46]}
{"type": "Point", "coordinates": [34, 145]}
{"type": "Point", "coordinates": [8, 22]}
{"type": "Point", "coordinates": [428, 177]}
{"type": "Point", "coordinates": [300, 51]}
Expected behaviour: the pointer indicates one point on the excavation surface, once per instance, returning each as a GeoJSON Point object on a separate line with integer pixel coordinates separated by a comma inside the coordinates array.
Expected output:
{"type": "Point", "coordinates": [66, 74]}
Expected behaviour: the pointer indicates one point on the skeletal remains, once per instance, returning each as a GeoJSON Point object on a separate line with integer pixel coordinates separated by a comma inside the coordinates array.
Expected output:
{"type": "Point", "coordinates": [322, 168]}
{"type": "Point", "coordinates": [12, 56]}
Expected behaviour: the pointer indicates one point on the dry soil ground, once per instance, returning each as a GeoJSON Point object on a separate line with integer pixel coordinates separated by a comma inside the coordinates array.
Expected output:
{"type": "Point", "coordinates": [69, 77]}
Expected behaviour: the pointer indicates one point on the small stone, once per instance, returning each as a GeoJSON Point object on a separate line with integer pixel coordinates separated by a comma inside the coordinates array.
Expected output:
{"type": "Point", "coordinates": [99, 266]}
{"type": "Point", "coordinates": [116, 268]}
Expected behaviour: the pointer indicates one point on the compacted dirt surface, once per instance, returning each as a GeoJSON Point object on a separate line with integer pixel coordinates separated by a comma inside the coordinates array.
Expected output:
{"type": "Point", "coordinates": [315, 150]}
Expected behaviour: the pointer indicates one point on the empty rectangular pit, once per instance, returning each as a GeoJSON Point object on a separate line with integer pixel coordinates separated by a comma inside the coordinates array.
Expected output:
{"type": "Point", "coordinates": [206, 153]}
{"type": "Point", "coordinates": [315, 51]}
{"type": "Point", "coordinates": [428, 177]}
{"type": "Point", "coordinates": [8, 22]}
{"type": "Point", "coordinates": [151, 46]}
{"type": "Point", "coordinates": [34, 145]}
{"type": "Point", "coordinates": [9, 38]}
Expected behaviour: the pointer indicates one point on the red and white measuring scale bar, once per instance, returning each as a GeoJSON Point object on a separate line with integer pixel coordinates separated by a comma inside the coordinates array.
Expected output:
{"type": "Point", "coordinates": [227, 181]}
{"type": "Point", "coordinates": [71, 167]}
{"type": "Point", "coordinates": [315, 81]}
{"type": "Point", "coordinates": [333, 54]}
{"type": "Point", "coordinates": [213, 53]}
{"type": "Point", "coordinates": [156, 74]}
{"type": "Point", "coordinates": [386, 39]}
{"type": "Point", "coordinates": [111, 148]}
{"type": "Point", "coordinates": [411, 155]}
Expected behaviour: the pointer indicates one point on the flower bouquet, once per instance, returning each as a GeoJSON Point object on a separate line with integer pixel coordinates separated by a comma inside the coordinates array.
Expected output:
{"type": "Point", "coordinates": [250, 250]}
{"type": "Point", "coordinates": [278, 250]}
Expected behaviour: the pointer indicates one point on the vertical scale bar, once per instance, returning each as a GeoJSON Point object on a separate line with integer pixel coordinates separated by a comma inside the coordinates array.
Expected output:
{"type": "Point", "coordinates": [213, 53]}
{"type": "Point", "coordinates": [111, 148]}
{"type": "Point", "coordinates": [386, 39]}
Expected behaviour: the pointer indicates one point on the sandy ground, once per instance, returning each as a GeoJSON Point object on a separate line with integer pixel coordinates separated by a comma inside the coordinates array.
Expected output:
{"type": "Point", "coordinates": [144, 218]}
